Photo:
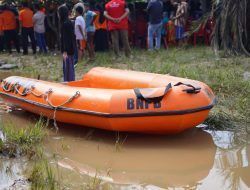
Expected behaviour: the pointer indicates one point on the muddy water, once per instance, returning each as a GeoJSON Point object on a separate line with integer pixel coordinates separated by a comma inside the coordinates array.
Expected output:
{"type": "Point", "coordinates": [195, 159]}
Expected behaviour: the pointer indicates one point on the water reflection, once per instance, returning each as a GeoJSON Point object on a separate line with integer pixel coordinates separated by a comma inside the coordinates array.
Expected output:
{"type": "Point", "coordinates": [196, 159]}
{"type": "Point", "coordinates": [192, 160]}
{"type": "Point", "coordinates": [11, 174]}
{"type": "Point", "coordinates": [231, 168]}
{"type": "Point", "coordinates": [144, 159]}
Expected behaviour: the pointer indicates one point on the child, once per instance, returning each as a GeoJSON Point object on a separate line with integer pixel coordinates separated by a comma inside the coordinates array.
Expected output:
{"type": "Point", "coordinates": [171, 31]}
{"type": "Point", "coordinates": [90, 17]}
{"type": "Point", "coordinates": [164, 29]}
{"type": "Point", "coordinates": [80, 32]}
{"type": "Point", "coordinates": [180, 22]}
{"type": "Point", "coordinates": [67, 44]}
{"type": "Point", "coordinates": [1, 30]}
{"type": "Point", "coordinates": [141, 29]}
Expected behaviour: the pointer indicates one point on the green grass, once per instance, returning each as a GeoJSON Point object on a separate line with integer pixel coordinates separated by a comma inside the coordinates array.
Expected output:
{"type": "Point", "coordinates": [119, 142]}
{"type": "Point", "coordinates": [21, 141]}
{"type": "Point", "coordinates": [223, 75]}
{"type": "Point", "coordinates": [42, 176]}
{"type": "Point", "coordinates": [93, 183]}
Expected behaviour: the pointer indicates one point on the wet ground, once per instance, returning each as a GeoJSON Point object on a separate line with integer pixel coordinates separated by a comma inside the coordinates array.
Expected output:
{"type": "Point", "coordinates": [195, 159]}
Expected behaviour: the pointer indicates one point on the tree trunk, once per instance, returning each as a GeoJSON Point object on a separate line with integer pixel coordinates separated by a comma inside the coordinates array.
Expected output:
{"type": "Point", "coordinates": [248, 27]}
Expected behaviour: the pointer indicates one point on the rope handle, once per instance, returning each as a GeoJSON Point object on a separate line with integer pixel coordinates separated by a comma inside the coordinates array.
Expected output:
{"type": "Point", "coordinates": [14, 87]}
{"type": "Point", "coordinates": [27, 91]}
{"type": "Point", "coordinates": [191, 90]}
{"type": "Point", "coordinates": [30, 90]}
{"type": "Point", "coordinates": [5, 89]}
{"type": "Point", "coordinates": [46, 97]}
{"type": "Point", "coordinates": [152, 99]}
{"type": "Point", "coordinates": [50, 91]}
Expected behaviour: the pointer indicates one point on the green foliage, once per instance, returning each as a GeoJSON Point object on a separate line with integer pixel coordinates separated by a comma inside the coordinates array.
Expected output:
{"type": "Point", "coordinates": [220, 121]}
{"type": "Point", "coordinates": [21, 141]}
{"type": "Point", "coordinates": [42, 176]}
{"type": "Point", "coordinates": [94, 183]}
{"type": "Point", "coordinates": [1, 145]}
{"type": "Point", "coordinates": [231, 29]}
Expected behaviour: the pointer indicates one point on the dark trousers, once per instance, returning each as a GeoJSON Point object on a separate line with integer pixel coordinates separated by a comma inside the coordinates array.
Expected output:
{"type": "Point", "coordinates": [68, 69]}
{"type": "Point", "coordinates": [51, 40]}
{"type": "Point", "coordinates": [11, 35]}
{"type": "Point", "coordinates": [28, 32]}
{"type": "Point", "coordinates": [101, 40]}
{"type": "Point", "coordinates": [2, 42]}
{"type": "Point", "coordinates": [123, 34]}
{"type": "Point", "coordinates": [90, 44]}
{"type": "Point", "coordinates": [75, 55]}
{"type": "Point", "coordinates": [40, 40]}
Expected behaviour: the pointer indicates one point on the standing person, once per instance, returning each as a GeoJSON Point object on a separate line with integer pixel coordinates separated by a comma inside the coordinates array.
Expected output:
{"type": "Point", "coordinates": [141, 29]}
{"type": "Point", "coordinates": [1, 30]}
{"type": "Point", "coordinates": [51, 27]}
{"type": "Point", "coordinates": [68, 43]}
{"type": "Point", "coordinates": [155, 12]}
{"type": "Point", "coordinates": [90, 17]}
{"type": "Point", "coordinates": [27, 30]}
{"type": "Point", "coordinates": [101, 33]}
{"type": "Point", "coordinates": [164, 30]}
{"type": "Point", "coordinates": [116, 11]}
{"type": "Point", "coordinates": [80, 32]}
{"type": "Point", "coordinates": [77, 3]}
{"type": "Point", "coordinates": [9, 21]}
{"type": "Point", "coordinates": [180, 21]}
{"type": "Point", "coordinates": [171, 32]}
{"type": "Point", "coordinates": [39, 28]}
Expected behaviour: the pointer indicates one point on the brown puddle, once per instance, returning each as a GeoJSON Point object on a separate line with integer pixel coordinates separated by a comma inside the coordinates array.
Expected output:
{"type": "Point", "coordinates": [195, 159]}
{"type": "Point", "coordinates": [163, 161]}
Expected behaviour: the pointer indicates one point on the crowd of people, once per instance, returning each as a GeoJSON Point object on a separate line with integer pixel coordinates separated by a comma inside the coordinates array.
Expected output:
{"type": "Point", "coordinates": [89, 27]}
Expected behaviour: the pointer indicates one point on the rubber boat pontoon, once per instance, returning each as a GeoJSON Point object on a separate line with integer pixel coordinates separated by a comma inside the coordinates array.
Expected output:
{"type": "Point", "coordinates": [116, 100]}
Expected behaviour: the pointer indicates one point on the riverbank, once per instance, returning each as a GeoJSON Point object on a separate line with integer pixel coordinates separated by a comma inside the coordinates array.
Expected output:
{"type": "Point", "coordinates": [229, 78]}
{"type": "Point", "coordinates": [79, 158]}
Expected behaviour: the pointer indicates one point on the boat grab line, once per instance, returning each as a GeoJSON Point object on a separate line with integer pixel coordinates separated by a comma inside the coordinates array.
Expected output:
{"type": "Point", "coordinates": [118, 115]}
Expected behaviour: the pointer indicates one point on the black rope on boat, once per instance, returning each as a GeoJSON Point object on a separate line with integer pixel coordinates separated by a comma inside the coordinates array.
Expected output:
{"type": "Point", "coordinates": [152, 99]}
{"type": "Point", "coordinates": [191, 90]}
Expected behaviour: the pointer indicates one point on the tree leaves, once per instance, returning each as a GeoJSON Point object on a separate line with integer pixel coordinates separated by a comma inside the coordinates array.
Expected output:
{"type": "Point", "coordinates": [230, 33]}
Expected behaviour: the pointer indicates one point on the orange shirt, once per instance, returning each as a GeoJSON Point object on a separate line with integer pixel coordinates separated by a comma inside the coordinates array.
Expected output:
{"type": "Point", "coordinates": [102, 25]}
{"type": "Point", "coordinates": [8, 20]}
{"type": "Point", "coordinates": [25, 16]}
{"type": "Point", "coordinates": [99, 25]}
{"type": "Point", "coordinates": [170, 31]}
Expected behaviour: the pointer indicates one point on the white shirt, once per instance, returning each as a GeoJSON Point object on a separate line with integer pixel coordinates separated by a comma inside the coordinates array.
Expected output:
{"type": "Point", "coordinates": [38, 20]}
{"type": "Point", "coordinates": [80, 22]}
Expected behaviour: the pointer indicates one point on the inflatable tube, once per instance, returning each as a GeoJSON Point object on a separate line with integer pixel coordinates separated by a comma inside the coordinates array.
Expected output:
{"type": "Point", "coordinates": [116, 100]}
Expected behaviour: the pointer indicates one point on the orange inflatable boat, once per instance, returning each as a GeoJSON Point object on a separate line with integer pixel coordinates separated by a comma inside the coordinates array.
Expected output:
{"type": "Point", "coordinates": [117, 100]}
